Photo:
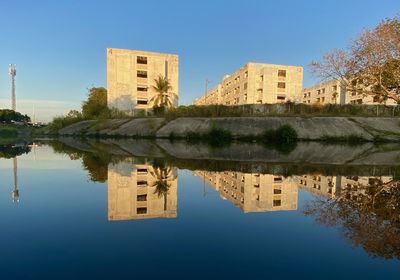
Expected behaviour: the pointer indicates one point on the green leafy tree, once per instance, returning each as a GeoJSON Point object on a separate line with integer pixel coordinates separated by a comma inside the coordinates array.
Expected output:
{"type": "Point", "coordinates": [96, 104]}
{"type": "Point", "coordinates": [163, 98]}
{"type": "Point", "coordinates": [7, 116]}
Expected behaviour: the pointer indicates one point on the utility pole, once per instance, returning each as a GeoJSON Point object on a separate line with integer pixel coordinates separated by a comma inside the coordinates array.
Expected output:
{"type": "Point", "coordinates": [12, 70]}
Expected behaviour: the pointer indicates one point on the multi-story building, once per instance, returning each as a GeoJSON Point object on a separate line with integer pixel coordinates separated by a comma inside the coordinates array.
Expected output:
{"type": "Point", "coordinates": [330, 92]}
{"type": "Point", "coordinates": [133, 194]}
{"type": "Point", "coordinates": [257, 83]}
{"type": "Point", "coordinates": [334, 92]}
{"type": "Point", "coordinates": [131, 75]}
{"type": "Point", "coordinates": [253, 192]}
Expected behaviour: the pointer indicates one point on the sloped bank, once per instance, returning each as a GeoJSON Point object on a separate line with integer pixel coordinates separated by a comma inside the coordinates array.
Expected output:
{"type": "Point", "coordinates": [313, 128]}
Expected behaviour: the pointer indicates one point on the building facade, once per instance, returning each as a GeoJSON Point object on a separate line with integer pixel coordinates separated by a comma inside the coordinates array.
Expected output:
{"type": "Point", "coordinates": [131, 75]}
{"type": "Point", "coordinates": [334, 92]}
{"type": "Point", "coordinates": [257, 83]}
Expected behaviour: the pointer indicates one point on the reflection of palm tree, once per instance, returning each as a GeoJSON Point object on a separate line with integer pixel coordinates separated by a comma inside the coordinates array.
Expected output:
{"type": "Point", "coordinates": [163, 98]}
{"type": "Point", "coordinates": [162, 175]}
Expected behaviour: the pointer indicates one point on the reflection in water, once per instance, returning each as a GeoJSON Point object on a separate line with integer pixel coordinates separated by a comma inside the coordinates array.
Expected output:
{"type": "Point", "coordinates": [15, 192]}
{"type": "Point", "coordinates": [367, 209]}
{"type": "Point", "coordinates": [254, 192]}
{"type": "Point", "coordinates": [141, 191]}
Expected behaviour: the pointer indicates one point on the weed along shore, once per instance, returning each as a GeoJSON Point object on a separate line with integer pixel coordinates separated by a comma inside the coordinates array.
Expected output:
{"type": "Point", "coordinates": [225, 129]}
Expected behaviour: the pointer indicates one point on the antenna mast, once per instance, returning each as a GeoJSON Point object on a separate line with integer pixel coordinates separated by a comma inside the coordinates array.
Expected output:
{"type": "Point", "coordinates": [12, 70]}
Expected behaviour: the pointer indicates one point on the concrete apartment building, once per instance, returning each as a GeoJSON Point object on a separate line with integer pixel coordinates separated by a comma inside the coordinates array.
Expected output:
{"type": "Point", "coordinates": [131, 193]}
{"type": "Point", "coordinates": [257, 83]}
{"type": "Point", "coordinates": [131, 74]}
{"type": "Point", "coordinates": [333, 92]}
{"type": "Point", "coordinates": [253, 192]}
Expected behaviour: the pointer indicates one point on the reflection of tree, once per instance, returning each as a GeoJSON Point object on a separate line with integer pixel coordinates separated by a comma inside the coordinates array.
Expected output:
{"type": "Point", "coordinates": [162, 175]}
{"type": "Point", "coordinates": [11, 151]}
{"type": "Point", "coordinates": [368, 215]}
{"type": "Point", "coordinates": [95, 162]}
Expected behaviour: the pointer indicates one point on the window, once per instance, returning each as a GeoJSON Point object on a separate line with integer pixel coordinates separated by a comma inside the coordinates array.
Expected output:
{"type": "Point", "coordinates": [141, 60]}
{"type": "Point", "coordinates": [281, 97]}
{"type": "Point", "coordinates": [141, 88]}
{"type": "Point", "coordinates": [141, 74]}
{"type": "Point", "coordinates": [246, 74]}
{"type": "Point", "coordinates": [277, 191]}
{"type": "Point", "coordinates": [142, 102]}
{"type": "Point", "coordinates": [277, 202]}
{"type": "Point", "coordinates": [277, 179]}
{"type": "Point", "coordinates": [142, 197]}
{"type": "Point", "coordinates": [281, 85]}
{"type": "Point", "coordinates": [334, 88]}
{"type": "Point", "coordinates": [282, 73]}
{"type": "Point", "coordinates": [141, 183]}
{"type": "Point", "coordinates": [245, 86]}
{"type": "Point", "coordinates": [142, 170]}
{"type": "Point", "coordinates": [141, 210]}
{"type": "Point", "coordinates": [323, 90]}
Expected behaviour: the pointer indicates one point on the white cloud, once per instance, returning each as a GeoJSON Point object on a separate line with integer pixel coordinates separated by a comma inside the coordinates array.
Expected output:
{"type": "Point", "coordinates": [45, 110]}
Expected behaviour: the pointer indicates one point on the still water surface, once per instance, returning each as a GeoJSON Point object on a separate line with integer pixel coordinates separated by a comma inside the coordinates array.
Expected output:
{"type": "Point", "coordinates": [100, 214]}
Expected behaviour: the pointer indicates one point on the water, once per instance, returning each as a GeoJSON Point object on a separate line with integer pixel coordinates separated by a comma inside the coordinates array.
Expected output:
{"type": "Point", "coordinates": [120, 209]}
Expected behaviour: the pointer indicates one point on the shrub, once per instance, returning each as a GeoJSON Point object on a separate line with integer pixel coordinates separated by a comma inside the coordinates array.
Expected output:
{"type": "Point", "coordinates": [218, 137]}
{"type": "Point", "coordinates": [284, 134]}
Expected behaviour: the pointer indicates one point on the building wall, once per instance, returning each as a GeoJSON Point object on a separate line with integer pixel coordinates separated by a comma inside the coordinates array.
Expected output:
{"type": "Point", "coordinates": [131, 193]}
{"type": "Point", "coordinates": [127, 89]}
{"type": "Point", "coordinates": [253, 192]}
{"type": "Point", "coordinates": [332, 92]}
{"type": "Point", "coordinates": [257, 83]}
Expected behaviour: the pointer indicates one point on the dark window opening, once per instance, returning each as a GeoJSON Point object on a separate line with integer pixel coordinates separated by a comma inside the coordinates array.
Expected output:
{"type": "Point", "coordinates": [282, 73]}
{"type": "Point", "coordinates": [141, 210]}
{"type": "Point", "coordinates": [141, 74]}
{"type": "Point", "coordinates": [142, 197]}
{"type": "Point", "coordinates": [141, 60]}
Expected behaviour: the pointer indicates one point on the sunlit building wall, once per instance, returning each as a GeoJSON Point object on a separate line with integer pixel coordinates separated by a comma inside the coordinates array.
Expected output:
{"type": "Point", "coordinates": [257, 83]}
{"type": "Point", "coordinates": [131, 74]}
{"type": "Point", "coordinates": [132, 192]}
{"type": "Point", "coordinates": [333, 92]}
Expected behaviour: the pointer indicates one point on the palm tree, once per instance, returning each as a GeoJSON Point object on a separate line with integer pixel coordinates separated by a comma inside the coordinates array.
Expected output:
{"type": "Point", "coordinates": [162, 175]}
{"type": "Point", "coordinates": [163, 97]}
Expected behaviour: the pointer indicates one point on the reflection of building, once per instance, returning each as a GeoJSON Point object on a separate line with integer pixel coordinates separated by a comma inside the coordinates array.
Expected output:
{"type": "Point", "coordinates": [134, 192]}
{"type": "Point", "coordinates": [254, 192]}
{"type": "Point", "coordinates": [131, 74]}
{"type": "Point", "coordinates": [332, 186]}
{"type": "Point", "coordinates": [257, 83]}
{"type": "Point", "coordinates": [319, 184]}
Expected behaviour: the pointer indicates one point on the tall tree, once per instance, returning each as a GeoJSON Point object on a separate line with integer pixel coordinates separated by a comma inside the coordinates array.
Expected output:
{"type": "Point", "coordinates": [96, 103]}
{"type": "Point", "coordinates": [162, 98]}
{"type": "Point", "coordinates": [371, 66]}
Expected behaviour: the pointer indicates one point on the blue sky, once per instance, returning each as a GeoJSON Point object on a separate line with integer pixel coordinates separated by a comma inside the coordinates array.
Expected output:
{"type": "Point", "coordinates": [59, 46]}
